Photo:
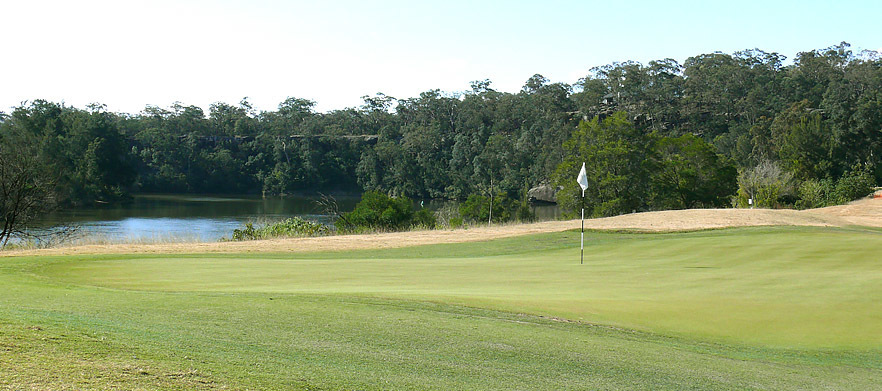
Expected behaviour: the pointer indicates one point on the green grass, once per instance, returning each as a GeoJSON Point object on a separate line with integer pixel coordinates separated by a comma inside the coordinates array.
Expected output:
{"type": "Point", "coordinates": [752, 308]}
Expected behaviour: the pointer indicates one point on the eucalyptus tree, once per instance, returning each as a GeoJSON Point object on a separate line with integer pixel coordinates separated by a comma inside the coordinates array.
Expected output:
{"type": "Point", "coordinates": [27, 183]}
{"type": "Point", "coordinates": [689, 173]}
{"type": "Point", "coordinates": [618, 159]}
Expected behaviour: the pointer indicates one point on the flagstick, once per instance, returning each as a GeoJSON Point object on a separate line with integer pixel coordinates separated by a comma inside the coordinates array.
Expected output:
{"type": "Point", "coordinates": [582, 179]}
{"type": "Point", "coordinates": [582, 244]}
{"type": "Point", "coordinates": [490, 219]}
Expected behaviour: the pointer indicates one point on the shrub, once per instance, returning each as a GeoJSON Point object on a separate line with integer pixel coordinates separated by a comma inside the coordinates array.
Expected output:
{"type": "Point", "coordinates": [477, 208]}
{"type": "Point", "coordinates": [378, 211]}
{"type": "Point", "coordinates": [524, 213]}
{"type": "Point", "coordinates": [854, 184]}
{"type": "Point", "coordinates": [424, 218]}
{"type": "Point", "coordinates": [815, 194]}
{"type": "Point", "coordinates": [767, 184]}
{"type": "Point", "coordinates": [447, 216]}
{"type": "Point", "coordinates": [293, 227]}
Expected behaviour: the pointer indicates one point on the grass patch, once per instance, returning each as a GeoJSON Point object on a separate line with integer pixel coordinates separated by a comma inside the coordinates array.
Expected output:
{"type": "Point", "coordinates": [52, 357]}
{"type": "Point", "coordinates": [749, 308]}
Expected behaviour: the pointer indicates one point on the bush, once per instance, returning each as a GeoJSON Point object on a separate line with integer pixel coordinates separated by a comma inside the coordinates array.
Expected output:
{"type": "Point", "coordinates": [767, 184]}
{"type": "Point", "coordinates": [815, 194]}
{"type": "Point", "coordinates": [524, 214]}
{"type": "Point", "coordinates": [293, 227]}
{"type": "Point", "coordinates": [424, 218]}
{"type": "Point", "coordinates": [447, 216]}
{"type": "Point", "coordinates": [377, 211]}
{"type": "Point", "coordinates": [477, 208]}
{"type": "Point", "coordinates": [455, 222]}
{"type": "Point", "coordinates": [855, 184]}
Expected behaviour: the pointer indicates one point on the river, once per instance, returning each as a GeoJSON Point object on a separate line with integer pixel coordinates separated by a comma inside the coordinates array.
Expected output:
{"type": "Point", "coordinates": [176, 218]}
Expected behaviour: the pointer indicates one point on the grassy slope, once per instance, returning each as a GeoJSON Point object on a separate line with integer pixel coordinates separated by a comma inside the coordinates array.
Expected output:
{"type": "Point", "coordinates": [768, 308]}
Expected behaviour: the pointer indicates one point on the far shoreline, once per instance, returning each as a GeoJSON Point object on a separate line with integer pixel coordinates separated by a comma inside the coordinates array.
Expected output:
{"type": "Point", "coordinates": [865, 212]}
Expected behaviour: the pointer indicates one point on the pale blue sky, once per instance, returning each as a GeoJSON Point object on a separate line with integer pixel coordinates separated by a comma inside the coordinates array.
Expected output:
{"type": "Point", "coordinates": [127, 54]}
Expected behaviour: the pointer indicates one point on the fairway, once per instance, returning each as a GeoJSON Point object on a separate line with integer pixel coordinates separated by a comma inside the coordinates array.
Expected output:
{"type": "Point", "coordinates": [746, 308]}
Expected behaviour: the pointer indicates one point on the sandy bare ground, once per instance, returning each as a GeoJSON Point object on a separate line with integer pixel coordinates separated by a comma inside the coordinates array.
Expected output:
{"type": "Point", "coordinates": [867, 212]}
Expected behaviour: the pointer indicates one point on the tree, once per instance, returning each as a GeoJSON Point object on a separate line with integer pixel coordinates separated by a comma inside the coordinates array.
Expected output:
{"type": "Point", "coordinates": [618, 162]}
{"type": "Point", "coordinates": [816, 119]}
{"type": "Point", "coordinates": [477, 208]}
{"type": "Point", "coordinates": [804, 142]}
{"type": "Point", "coordinates": [26, 186]}
{"type": "Point", "coordinates": [86, 150]}
{"type": "Point", "coordinates": [690, 174]}
{"type": "Point", "coordinates": [766, 185]}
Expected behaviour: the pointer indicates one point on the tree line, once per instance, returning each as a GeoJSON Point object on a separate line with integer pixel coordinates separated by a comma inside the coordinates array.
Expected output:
{"type": "Point", "coordinates": [657, 135]}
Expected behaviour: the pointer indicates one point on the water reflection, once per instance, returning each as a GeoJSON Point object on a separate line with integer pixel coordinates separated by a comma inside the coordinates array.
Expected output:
{"type": "Point", "coordinates": [203, 218]}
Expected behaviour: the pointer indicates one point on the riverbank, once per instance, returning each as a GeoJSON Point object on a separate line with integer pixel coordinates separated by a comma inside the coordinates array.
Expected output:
{"type": "Point", "coordinates": [176, 218]}
{"type": "Point", "coordinates": [866, 212]}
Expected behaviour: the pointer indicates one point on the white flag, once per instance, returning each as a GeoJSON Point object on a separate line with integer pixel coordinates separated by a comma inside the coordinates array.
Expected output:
{"type": "Point", "coordinates": [583, 179]}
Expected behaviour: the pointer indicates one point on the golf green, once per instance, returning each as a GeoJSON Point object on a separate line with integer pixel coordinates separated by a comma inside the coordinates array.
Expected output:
{"type": "Point", "coordinates": [764, 308]}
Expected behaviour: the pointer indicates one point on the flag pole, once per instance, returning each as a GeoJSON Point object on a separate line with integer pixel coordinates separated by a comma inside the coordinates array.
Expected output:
{"type": "Point", "coordinates": [490, 219]}
{"type": "Point", "coordinates": [582, 179]}
{"type": "Point", "coordinates": [582, 244]}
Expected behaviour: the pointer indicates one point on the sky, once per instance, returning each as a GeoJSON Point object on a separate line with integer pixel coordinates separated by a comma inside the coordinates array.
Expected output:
{"type": "Point", "coordinates": [130, 54]}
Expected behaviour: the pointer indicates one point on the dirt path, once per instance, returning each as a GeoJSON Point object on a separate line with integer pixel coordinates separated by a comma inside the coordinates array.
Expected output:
{"type": "Point", "coordinates": [867, 212]}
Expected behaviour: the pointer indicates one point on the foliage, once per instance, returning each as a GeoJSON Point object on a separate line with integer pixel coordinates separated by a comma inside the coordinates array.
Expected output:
{"type": "Point", "coordinates": [617, 158]}
{"type": "Point", "coordinates": [83, 149]}
{"type": "Point", "coordinates": [378, 211]}
{"type": "Point", "coordinates": [629, 170]}
{"type": "Point", "coordinates": [477, 208]}
{"type": "Point", "coordinates": [690, 174]}
{"type": "Point", "coordinates": [857, 183]}
{"type": "Point", "coordinates": [524, 213]}
{"type": "Point", "coordinates": [815, 194]}
{"type": "Point", "coordinates": [815, 118]}
{"type": "Point", "coordinates": [766, 184]}
{"type": "Point", "coordinates": [804, 141]}
{"type": "Point", "coordinates": [424, 218]}
{"type": "Point", "coordinates": [291, 227]}
{"type": "Point", "coordinates": [447, 216]}
{"type": "Point", "coordinates": [27, 188]}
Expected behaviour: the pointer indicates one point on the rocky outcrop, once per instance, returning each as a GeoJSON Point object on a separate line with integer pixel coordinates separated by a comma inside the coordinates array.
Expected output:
{"type": "Point", "coordinates": [543, 193]}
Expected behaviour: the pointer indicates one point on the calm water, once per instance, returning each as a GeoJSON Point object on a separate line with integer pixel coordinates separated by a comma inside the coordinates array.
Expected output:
{"type": "Point", "coordinates": [202, 218]}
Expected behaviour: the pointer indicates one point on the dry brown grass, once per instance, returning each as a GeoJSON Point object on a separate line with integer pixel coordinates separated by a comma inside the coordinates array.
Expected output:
{"type": "Point", "coordinates": [866, 212]}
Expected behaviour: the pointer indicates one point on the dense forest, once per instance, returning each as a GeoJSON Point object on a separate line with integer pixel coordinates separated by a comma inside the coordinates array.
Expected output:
{"type": "Point", "coordinates": [717, 128]}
